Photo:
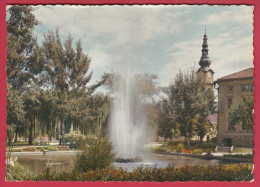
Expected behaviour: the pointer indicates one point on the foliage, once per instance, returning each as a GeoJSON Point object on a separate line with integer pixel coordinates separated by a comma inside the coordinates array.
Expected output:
{"type": "Point", "coordinates": [50, 148]}
{"type": "Point", "coordinates": [194, 148]}
{"type": "Point", "coordinates": [78, 139]}
{"type": "Point", "coordinates": [242, 114]}
{"type": "Point", "coordinates": [234, 172]}
{"type": "Point", "coordinates": [166, 125]}
{"type": "Point", "coordinates": [15, 115]}
{"type": "Point", "coordinates": [17, 172]}
{"type": "Point", "coordinates": [97, 155]}
{"type": "Point", "coordinates": [198, 151]}
{"type": "Point", "coordinates": [21, 45]}
{"type": "Point", "coordinates": [48, 84]}
{"type": "Point", "coordinates": [179, 147]}
{"type": "Point", "coordinates": [20, 71]}
{"type": "Point", "coordinates": [240, 156]}
{"type": "Point", "coordinates": [146, 84]}
{"type": "Point", "coordinates": [186, 109]}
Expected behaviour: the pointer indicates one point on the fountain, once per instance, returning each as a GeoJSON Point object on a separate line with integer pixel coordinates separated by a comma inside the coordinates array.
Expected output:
{"type": "Point", "coordinates": [129, 132]}
{"type": "Point", "coordinates": [128, 121]}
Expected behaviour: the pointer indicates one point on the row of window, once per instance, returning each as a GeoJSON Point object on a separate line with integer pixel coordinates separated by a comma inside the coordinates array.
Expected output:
{"type": "Point", "coordinates": [244, 88]}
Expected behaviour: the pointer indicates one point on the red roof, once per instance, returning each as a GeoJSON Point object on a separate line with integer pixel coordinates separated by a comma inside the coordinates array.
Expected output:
{"type": "Point", "coordinates": [246, 73]}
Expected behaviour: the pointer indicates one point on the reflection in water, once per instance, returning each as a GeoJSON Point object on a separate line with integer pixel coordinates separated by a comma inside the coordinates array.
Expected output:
{"type": "Point", "coordinates": [64, 161]}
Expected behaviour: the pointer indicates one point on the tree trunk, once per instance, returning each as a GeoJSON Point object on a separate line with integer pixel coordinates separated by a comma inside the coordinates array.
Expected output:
{"type": "Point", "coordinates": [30, 138]}
{"type": "Point", "coordinates": [34, 127]}
{"type": "Point", "coordinates": [188, 140]}
{"type": "Point", "coordinates": [201, 139]}
{"type": "Point", "coordinates": [61, 132]}
{"type": "Point", "coordinates": [15, 136]}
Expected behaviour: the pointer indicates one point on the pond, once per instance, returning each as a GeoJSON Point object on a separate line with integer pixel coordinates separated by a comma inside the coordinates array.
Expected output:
{"type": "Point", "coordinates": [36, 162]}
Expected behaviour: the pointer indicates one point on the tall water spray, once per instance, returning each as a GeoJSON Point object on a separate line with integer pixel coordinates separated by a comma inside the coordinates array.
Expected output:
{"type": "Point", "coordinates": [128, 122]}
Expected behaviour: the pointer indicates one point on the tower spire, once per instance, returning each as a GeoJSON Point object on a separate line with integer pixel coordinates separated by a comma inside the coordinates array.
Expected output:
{"type": "Point", "coordinates": [205, 73]}
{"type": "Point", "coordinates": [204, 60]}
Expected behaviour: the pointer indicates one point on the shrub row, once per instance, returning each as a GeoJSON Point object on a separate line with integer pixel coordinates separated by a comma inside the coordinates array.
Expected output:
{"type": "Point", "coordinates": [194, 148]}
{"type": "Point", "coordinates": [234, 172]}
{"type": "Point", "coordinates": [42, 148]}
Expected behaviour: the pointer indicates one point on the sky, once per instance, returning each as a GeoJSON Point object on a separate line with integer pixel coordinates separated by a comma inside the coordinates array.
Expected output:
{"type": "Point", "coordinates": [156, 39]}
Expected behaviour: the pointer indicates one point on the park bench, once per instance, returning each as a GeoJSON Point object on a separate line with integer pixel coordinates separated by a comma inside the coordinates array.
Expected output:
{"type": "Point", "coordinates": [224, 148]}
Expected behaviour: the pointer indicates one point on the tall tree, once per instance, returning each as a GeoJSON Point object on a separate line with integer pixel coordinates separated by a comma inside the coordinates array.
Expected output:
{"type": "Point", "coordinates": [15, 115]}
{"type": "Point", "coordinates": [21, 44]}
{"type": "Point", "coordinates": [22, 63]}
{"type": "Point", "coordinates": [189, 104]}
{"type": "Point", "coordinates": [68, 75]}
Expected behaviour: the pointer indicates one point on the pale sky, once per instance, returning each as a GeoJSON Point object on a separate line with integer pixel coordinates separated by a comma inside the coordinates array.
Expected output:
{"type": "Point", "coordinates": [158, 39]}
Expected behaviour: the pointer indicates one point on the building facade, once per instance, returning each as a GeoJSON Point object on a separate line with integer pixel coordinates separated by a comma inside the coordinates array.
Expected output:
{"type": "Point", "coordinates": [231, 90]}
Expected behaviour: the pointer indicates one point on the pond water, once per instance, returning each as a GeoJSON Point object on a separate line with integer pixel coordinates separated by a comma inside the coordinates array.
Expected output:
{"type": "Point", "coordinates": [36, 162]}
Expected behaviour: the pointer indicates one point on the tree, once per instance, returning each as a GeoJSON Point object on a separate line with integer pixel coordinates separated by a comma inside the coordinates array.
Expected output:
{"type": "Point", "coordinates": [32, 108]}
{"type": "Point", "coordinates": [189, 103]}
{"type": "Point", "coordinates": [22, 64]}
{"type": "Point", "coordinates": [146, 84]}
{"type": "Point", "coordinates": [68, 75]}
{"type": "Point", "coordinates": [15, 115]}
{"type": "Point", "coordinates": [21, 45]}
{"type": "Point", "coordinates": [165, 123]}
{"type": "Point", "coordinates": [243, 114]}
{"type": "Point", "coordinates": [48, 84]}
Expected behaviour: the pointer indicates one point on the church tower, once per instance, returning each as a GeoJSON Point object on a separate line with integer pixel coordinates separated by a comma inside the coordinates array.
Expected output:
{"type": "Point", "coordinates": [204, 72]}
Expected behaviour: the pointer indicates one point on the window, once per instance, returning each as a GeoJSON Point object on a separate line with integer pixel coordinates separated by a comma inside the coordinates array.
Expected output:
{"type": "Point", "coordinates": [221, 105]}
{"type": "Point", "coordinates": [230, 88]}
{"type": "Point", "coordinates": [246, 87]}
{"type": "Point", "coordinates": [229, 102]}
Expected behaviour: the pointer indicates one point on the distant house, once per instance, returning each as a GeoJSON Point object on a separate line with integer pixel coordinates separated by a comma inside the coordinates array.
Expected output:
{"type": "Point", "coordinates": [231, 89]}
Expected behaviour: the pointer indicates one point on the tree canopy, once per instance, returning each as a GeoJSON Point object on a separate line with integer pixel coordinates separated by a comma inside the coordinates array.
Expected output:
{"type": "Point", "coordinates": [48, 83]}
{"type": "Point", "coordinates": [186, 108]}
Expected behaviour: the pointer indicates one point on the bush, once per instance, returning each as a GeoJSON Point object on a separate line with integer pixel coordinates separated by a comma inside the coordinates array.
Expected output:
{"type": "Point", "coordinates": [180, 147]}
{"type": "Point", "coordinates": [17, 172]}
{"type": "Point", "coordinates": [79, 140]}
{"type": "Point", "coordinates": [63, 148]}
{"type": "Point", "coordinates": [17, 150]}
{"type": "Point", "coordinates": [97, 156]}
{"type": "Point", "coordinates": [159, 149]}
{"type": "Point", "coordinates": [234, 172]}
{"type": "Point", "coordinates": [51, 148]}
{"type": "Point", "coordinates": [197, 151]}
{"type": "Point", "coordinates": [248, 157]}
{"type": "Point", "coordinates": [205, 145]}
{"type": "Point", "coordinates": [29, 149]}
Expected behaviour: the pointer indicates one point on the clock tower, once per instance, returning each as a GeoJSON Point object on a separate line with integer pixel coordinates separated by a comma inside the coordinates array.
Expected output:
{"type": "Point", "coordinates": [205, 73]}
